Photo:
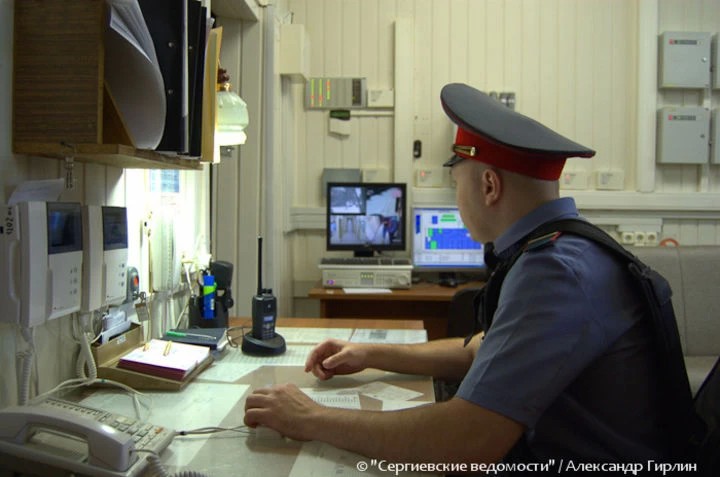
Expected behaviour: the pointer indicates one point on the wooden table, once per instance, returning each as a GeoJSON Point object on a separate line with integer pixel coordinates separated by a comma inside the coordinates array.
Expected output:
{"type": "Point", "coordinates": [428, 302]}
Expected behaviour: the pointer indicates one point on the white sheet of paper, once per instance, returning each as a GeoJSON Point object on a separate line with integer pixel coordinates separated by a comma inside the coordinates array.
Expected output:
{"type": "Point", "coordinates": [132, 75]}
{"type": "Point", "coordinates": [388, 392]}
{"type": "Point", "coordinates": [359, 291]}
{"type": "Point", "coordinates": [312, 335]}
{"type": "Point", "coordinates": [323, 460]}
{"type": "Point", "coordinates": [226, 372]}
{"type": "Point", "coordinates": [389, 336]}
{"type": "Point", "coordinates": [199, 405]}
{"type": "Point", "coordinates": [47, 190]}
{"type": "Point", "coordinates": [342, 398]}
{"type": "Point", "coordinates": [296, 355]}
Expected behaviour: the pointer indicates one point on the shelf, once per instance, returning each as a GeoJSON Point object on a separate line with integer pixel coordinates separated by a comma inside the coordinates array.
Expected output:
{"type": "Point", "coordinates": [117, 155]}
{"type": "Point", "coordinates": [61, 105]}
{"type": "Point", "coordinates": [247, 10]}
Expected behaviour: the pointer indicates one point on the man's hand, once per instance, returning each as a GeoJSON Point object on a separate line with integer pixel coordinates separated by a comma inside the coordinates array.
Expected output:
{"type": "Point", "coordinates": [334, 357]}
{"type": "Point", "coordinates": [283, 408]}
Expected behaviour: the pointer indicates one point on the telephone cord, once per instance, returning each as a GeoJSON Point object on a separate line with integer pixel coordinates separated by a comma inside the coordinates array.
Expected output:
{"type": "Point", "coordinates": [26, 366]}
{"type": "Point", "coordinates": [85, 358]}
{"type": "Point", "coordinates": [155, 468]}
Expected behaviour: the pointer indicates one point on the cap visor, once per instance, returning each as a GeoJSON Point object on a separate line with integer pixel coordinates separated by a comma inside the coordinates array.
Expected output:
{"type": "Point", "coordinates": [452, 161]}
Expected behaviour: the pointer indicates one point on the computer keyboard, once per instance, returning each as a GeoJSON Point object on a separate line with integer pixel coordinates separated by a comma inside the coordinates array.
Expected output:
{"type": "Point", "coordinates": [364, 261]}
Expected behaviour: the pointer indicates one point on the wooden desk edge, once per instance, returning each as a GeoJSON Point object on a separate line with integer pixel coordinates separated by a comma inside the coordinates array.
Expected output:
{"type": "Point", "coordinates": [418, 292]}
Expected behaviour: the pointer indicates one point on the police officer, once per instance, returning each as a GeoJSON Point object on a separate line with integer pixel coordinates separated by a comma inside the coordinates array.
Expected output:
{"type": "Point", "coordinates": [567, 368]}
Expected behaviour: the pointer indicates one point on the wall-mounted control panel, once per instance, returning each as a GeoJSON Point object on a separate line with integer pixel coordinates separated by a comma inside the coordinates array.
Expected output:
{"type": "Point", "coordinates": [684, 59]}
{"type": "Point", "coordinates": [683, 135]}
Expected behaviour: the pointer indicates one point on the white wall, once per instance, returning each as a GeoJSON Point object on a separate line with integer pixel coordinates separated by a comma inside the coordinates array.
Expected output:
{"type": "Point", "coordinates": [95, 184]}
{"type": "Point", "coordinates": [580, 66]}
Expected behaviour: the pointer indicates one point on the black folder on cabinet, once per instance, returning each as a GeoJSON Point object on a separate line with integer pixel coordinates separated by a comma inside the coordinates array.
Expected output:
{"type": "Point", "coordinates": [166, 20]}
{"type": "Point", "coordinates": [196, 67]}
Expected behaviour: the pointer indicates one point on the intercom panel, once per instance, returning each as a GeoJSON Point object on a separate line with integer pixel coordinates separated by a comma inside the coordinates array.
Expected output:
{"type": "Point", "coordinates": [42, 260]}
{"type": "Point", "coordinates": [64, 252]}
{"type": "Point", "coordinates": [105, 234]}
{"type": "Point", "coordinates": [115, 253]}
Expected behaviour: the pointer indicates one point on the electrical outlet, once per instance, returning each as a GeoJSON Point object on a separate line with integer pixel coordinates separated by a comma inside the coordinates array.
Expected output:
{"type": "Point", "coordinates": [430, 177]}
{"type": "Point", "coordinates": [627, 238]}
{"type": "Point", "coordinates": [574, 180]}
{"type": "Point", "coordinates": [610, 180]}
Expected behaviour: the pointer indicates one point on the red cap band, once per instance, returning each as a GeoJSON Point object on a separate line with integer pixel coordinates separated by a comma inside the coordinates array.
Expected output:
{"type": "Point", "coordinates": [540, 166]}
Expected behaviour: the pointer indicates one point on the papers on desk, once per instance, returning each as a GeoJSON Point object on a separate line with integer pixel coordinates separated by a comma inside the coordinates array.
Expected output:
{"type": "Point", "coordinates": [389, 336]}
{"type": "Point", "coordinates": [349, 398]}
{"type": "Point", "coordinates": [388, 392]}
{"type": "Point", "coordinates": [360, 291]}
{"type": "Point", "coordinates": [235, 364]}
{"type": "Point", "coordinates": [323, 460]}
{"type": "Point", "coordinates": [313, 335]}
{"type": "Point", "coordinates": [342, 398]}
{"type": "Point", "coordinates": [165, 359]}
{"type": "Point", "coordinates": [317, 459]}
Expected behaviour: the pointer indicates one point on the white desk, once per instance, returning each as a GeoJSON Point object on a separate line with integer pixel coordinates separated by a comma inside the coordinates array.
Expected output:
{"type": "Point", "coordinates": [217, 398]}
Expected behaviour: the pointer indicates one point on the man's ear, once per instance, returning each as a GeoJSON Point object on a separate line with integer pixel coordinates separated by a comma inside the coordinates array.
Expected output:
{"type": "Point", "coordinates": [491, 186]}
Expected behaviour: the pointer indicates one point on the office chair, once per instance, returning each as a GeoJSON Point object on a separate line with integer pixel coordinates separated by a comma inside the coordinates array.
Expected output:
{"type": "Point", "coordinates": [461, 322]}
{"type": "Point", "coordinates": [462, 314]}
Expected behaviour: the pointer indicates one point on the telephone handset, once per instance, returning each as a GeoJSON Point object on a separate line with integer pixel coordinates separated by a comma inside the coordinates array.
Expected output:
{"type": "Point", "coordinates": [80, 439]}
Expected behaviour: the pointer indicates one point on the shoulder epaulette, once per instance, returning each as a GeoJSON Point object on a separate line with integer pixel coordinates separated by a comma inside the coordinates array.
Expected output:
{"type": "Point", "coordinates": [542, 241]}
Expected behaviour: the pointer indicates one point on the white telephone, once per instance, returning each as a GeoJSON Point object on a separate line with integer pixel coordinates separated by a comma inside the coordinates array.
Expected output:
{"type": "Point", "coordinates": [80, 439]}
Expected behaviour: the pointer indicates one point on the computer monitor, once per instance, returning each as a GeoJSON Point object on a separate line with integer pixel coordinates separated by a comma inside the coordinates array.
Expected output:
{"type": "Point", "coordinates": [441, 242]}
{"type": "Point", "coordinates": [366, 217]}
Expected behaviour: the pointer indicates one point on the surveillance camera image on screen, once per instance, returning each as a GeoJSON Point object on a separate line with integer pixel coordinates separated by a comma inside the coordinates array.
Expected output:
{"type": "Point", "coordinates": [369, 216]}
{"type": "Point", "coordinates": [64, 227]}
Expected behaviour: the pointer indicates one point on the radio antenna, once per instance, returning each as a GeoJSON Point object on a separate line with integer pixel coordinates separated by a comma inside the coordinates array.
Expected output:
{"type": "Point", "coordinates": [259, 281]}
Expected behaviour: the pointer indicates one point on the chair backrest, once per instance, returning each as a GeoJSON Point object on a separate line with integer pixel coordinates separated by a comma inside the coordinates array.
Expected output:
{"type": "Point", "coordinates": [707, 404]}
{"type": "Point", "coordinates": [463, 313]}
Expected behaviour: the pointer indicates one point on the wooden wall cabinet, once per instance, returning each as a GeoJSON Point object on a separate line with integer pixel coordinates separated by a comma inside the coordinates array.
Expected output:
{"type": "Point", "coordinates": [61, 107]}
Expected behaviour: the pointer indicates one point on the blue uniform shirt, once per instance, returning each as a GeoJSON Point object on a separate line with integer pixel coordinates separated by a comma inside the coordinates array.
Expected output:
{"type": "Point", "coordinates": [569, 355]}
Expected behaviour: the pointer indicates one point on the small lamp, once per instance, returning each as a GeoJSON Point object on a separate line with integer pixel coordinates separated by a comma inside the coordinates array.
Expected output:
{"type": "Point", "coordinates": [232, 114]}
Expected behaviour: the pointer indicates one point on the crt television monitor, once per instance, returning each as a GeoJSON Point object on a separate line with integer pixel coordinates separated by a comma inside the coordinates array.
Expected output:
{"type": "Point", "coordinates": [442, 243]}
{"type": "Point", "coordinates": [366, 217]}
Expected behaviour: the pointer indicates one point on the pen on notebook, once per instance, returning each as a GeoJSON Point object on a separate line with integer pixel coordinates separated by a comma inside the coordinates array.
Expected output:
{"type": "Point", "coordinates": [181, 334]}
{"type": "Point", "coordinates": [167, 348]}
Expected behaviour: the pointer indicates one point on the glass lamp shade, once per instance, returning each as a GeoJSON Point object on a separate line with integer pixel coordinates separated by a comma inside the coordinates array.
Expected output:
{"type": "Point", "coordinates": [232, 118]}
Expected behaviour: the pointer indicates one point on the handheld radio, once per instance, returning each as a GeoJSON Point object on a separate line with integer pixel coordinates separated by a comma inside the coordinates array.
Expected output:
{"type": "Point", "coordinates": [263, 341]}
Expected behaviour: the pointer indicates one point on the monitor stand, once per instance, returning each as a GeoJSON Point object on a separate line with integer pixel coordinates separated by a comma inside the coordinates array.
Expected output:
{"type": "Point", "coordinates": [448, 279]}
